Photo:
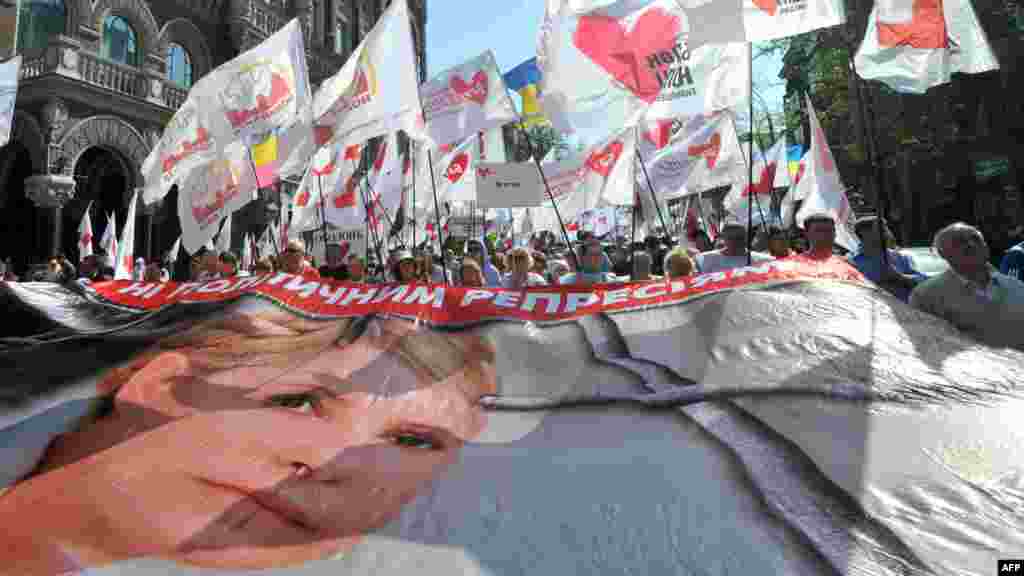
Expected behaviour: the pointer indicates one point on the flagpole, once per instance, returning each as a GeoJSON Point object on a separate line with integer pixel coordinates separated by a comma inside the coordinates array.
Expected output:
{"type": "Point", "coordinates": [751, 193]}
{"type": "Point", "coordinates": [412, 159]}
{"type": "Point", "coordinates": [544, 178]}
{"type": "Point", "coordinates": [370, 230]}
{"type": "Point", "coordinates": [870, 151]}
{"type": "Point", "coordinates": [323, 213]}
{"type": "Point", "coordinates": [376, 202]}
{"type": "Point", "coordinates": [750, 150]}
{"type": "Point", "coordinates": [650, 186]}
{"type": "Point", "coordinates": [437, 217]}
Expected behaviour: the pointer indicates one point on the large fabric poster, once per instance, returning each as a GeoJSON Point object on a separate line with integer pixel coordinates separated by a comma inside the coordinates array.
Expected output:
{"type": "Point", "coordinates": [781, 419]}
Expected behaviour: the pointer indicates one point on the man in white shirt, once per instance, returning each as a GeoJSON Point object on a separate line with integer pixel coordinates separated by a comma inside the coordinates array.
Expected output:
{"type": "Point", "coordinates": [733, 255]}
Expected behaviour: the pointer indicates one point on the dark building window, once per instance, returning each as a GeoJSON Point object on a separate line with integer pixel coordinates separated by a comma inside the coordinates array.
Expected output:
{"type": "Point", "coordinates": [120, 43]}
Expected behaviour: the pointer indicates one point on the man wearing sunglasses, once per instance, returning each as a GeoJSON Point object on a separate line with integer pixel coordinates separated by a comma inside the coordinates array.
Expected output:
{"type": "Point", "coordinates": [972, 295]}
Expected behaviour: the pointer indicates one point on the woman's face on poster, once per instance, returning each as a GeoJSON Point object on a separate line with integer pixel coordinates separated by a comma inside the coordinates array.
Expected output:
{"type": "Point", "coordinates": [259, 458]}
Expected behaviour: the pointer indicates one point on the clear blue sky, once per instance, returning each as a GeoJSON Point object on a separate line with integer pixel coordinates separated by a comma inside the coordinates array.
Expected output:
{"type": "Point", "coordinates": [460, 29]}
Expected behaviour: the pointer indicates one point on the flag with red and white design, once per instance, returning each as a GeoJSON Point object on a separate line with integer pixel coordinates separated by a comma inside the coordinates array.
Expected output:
{"type": "Point", "coordinates": [108, 243]}
{"type": "Point", "coordinates": [821, 189]}
{"type": "Point", "coordinates": [455, 173]}
{"type": "Point", "coordinates": [465, 99]}
{"type": "Point", "coordinates": [85, 235]}
{"type": "Point", "coordinates": [913, 45]}
{"type": "Point", "coordinates": [618, 64]}
{"type": "Point", "coordinates": [703, 154]}
{"type": "Point", "coordinates": [385, 177]}
{"type": "Point", "coordinates": [602, 175]}
{"type": "Point", "coordinates": [766, 168]}
{"type": "Point", "coordinates": [124, 265]}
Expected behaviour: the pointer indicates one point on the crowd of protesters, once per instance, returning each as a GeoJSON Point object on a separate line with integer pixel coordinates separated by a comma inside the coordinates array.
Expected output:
{"type": "Point", "coordinates": [972, 294]}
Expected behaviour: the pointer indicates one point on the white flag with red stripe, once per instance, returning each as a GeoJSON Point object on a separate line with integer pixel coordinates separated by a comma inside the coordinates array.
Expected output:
{"type": "Point", "coordinates": [913, 45]}
{"type": "Point", "coordinates": [602, 175]}
{"type": "Point", "coordinates": [124, 265]}
{"type": "Point", "coordinates": [766, 168]}
{"type": "Point", "coordinates": [108, 243]}
{"type": "Point", "coordinates": [820, 187]}
{"type": "Point", "coordinates": [85, 235]}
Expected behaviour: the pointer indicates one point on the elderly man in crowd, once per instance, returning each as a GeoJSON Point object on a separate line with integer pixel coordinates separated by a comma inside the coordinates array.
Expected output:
{"type": "Point", "coordinates": [733, 254]}
{"type": "Point", "coordinates": [972, 295]}
{"type": "Point", "coordinates": [899, 277]}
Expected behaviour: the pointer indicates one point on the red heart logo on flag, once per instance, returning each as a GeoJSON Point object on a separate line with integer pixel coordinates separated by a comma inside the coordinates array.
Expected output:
{"type": "Point", "coordinates": [764, 182]}
{"type": "Point", "coordinates": [457, 168]}
{"type": "Point", "coordinates": [325, 169]}
{"type": "Point", "coordinates": [322, 134]}
{"type": "Point", "coordinates": [303, 199]}
{"type": "Point", "coordinates": [661, 133]}
{"type": "Point", "coordinates": [769, 6]}
{"type": "Point", "coordinates": [624, 55]}
{"type": "Point", "coordinates": [709, 150]}
{"type": "Point", "coordinates": [347, 199]}
{"type": "Point", "coordinates": [86, 239]}
{"type": "Point", "coordinates": [352, 152]}
{"type": "Point", "coordinates": [602, 161]}
{"type": "Point", "coordinates": [572, 227]}
{"type": "Point", "coordinates": [474, 90]}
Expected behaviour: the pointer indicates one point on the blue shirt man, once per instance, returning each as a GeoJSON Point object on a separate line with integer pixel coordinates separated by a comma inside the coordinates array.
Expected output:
{"type": "Point", "coordinates": [901, 278]}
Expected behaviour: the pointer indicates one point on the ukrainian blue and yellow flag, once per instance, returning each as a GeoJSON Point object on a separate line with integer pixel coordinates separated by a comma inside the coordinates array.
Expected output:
{"type": "Point", "coordinates": [524, 79]}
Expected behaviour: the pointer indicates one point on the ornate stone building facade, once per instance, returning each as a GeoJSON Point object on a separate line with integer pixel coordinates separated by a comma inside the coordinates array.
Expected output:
{"type": "Point", "coordinates": [100, 78]}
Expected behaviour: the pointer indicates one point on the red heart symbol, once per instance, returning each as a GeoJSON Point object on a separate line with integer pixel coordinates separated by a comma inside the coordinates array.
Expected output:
{"type": "Point", "coordinates": [323, 134]}
{"type": "Point", "coordinates": [626, 55]}
{"type": "Point", "coordinates": [769, 6]}
{"type": "Point", "coordinates": [347, 199]}
{"type": "Point", "coordinates": [764, 182]}
{"type": "Point", "coordinates": [457, 168]}
{"type": "Point", "coordinates": [709, 150]}
{"type": "Point", "coordinates": [474, 91]}
{"type": "Point", "coordinates": [303, 199]}
{"type": "Point", "coordinates": [352, 152]}
{"type": "Point", "coordinates": [602, 161]}
{"type": "Point", "coordinates": [86, 239]}
{"type": "Point", "coordinates": [661, 133]}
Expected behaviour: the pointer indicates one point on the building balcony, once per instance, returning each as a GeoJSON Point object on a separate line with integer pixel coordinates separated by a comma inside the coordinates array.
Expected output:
{"type": "Point", "coordinates": [67, 69]}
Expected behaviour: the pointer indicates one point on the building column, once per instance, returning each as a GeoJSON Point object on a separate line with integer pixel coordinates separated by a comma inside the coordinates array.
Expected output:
{"type": "Point", "coordinates": [50, 193]}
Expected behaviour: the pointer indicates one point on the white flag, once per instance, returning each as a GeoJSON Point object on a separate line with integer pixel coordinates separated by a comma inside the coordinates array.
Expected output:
{"type": "Point", "coordinates": [185, 144]}
{"type": "Point", "coordinates": [455, 172]}
{"type": "Point", "coordinates": [335, 175]}
{"type": "Point", "coordinates": [376, 91]}
{"type": "Point", "coordinates": [465, 99]}
{"type": "Point", "coordinates": [224, 236]}
{"type": "Point", "coordinates": [385, 177]}
{"type": "Point", "coordinates": [85, 235]}
{"type": "Point", "coordinates": [211, 192]}
{"type": "Point", "coordinates": [602, 175]}
{"type": "Point", "coordinates": [912, 46]}
{"type": "Point", "coordinates": [175, 251]}
{"type": "Point", "coordinates": [124, 265]}
{"type": "Point", "coordinates": [704, 154]}
{"type": "Point", "coordinates": [108, 243]}
{"type": "Point", "coordinates": [766, 168]}
{"type": "Point", "coordinates": [246, 257]}
{"type": "Point", "coordinates": [10, 72]}
{"type": "Point", "coordinates": [613, 66]}
{"type": "Point", "coordinates": [820, 187]}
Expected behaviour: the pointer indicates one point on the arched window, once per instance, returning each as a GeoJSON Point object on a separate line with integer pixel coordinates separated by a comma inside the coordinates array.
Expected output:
{"type": "Point", "coordinates": [119, 41]}
{"type": "Point", "coordinates": [179, 65]}
{"type": "Point", "coordinates": [37, 21]}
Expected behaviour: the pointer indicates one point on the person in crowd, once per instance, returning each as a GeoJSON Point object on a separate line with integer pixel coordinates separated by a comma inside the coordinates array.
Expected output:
{"type": "Point", "coordinates": [521, 274]}
{"type": "Point", "coordinates": [263, 266]}
{"type": "Point", "coordinates": [165, 274]}
{"type": "Point", "coordinates": [621, 266]}
{"type": "Point", "coordinates": [820, 232]}
{"type": "Point", "coordinates": [899, 277]}
{"type": "Point", "coordinates": [540, 262]}
{"type": "Point", "coordinates": [972, 295]}
{"type": "Point", "coordinates": [151, 273]}
{"type": "Point", "coordinates": [500, 261]}
{"type": "Point", "coordinates": [642, 267]}
{"type": "Point", "coordinates": [476, 250]}
{"type": "Point", "coordinates": [228, 264]}
{"type": "Point", "coordinates": [733, 254]}
{"type": "Point", "coordinates": [68, 273]}
{"type": "Point", "coordinates": [88, 268]}
{"type": "Point", "coordinates": [778, 243]}
{"type": "Point", "coordinates": [439, 274]}
{"type": "Point", "coordinates": [678, 263]}
{"type": "Point", "coordinates": [404, 268]}
{"type": "Point", "coordinates": [334, 268]}
{"type": "Point", "coordinates": [590, 267]}
{"type": "Point", "coordinates": [293, 260]}
{"type": "Point", "coordinates": [470, 274]}
{"type": "Point", "coordinates": [106, 273]}
{"type": "Point", "coordinates": [139, 269]}
{"type": "Point", "coordinates": [209, 267]}
{"type": "Point", "coordinates": [1012, 263]}
{"type": "Point", "coordinates": [557, 269]}
{"type": "Point", "coordinates": [356, 269]}
{"type": "Point", "coordinates": [702, 242]}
